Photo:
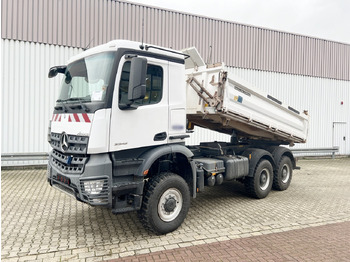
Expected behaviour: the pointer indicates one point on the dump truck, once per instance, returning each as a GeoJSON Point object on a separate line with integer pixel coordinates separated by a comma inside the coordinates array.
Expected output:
{"type": "Point", "coordinates": [119, 128]}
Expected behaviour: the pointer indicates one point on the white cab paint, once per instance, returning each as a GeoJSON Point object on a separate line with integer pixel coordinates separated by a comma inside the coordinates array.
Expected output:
{"type": "Point", "coordinates": [177, 101]}
{"type": "Point", "coordinates": [137, 128]}
{"type": "Point", "coordinates": [99, 136]}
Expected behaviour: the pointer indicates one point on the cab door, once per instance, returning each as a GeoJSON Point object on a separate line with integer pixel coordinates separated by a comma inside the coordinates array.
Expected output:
{"type": "Point", "coordinates": [146, 122]}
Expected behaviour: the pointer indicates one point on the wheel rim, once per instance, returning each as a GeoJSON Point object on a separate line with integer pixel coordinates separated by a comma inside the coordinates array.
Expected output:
{"type": "Point", "coordinates": [285, 174]}
{"type": "Point", "coordinates": [264, 179]}
{"type": "Point", "coordinates": [170, 204]}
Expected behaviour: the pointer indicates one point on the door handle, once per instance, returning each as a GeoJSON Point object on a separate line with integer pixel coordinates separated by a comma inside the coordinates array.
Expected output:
{"type": "Point", "coordinates": [160, 136]}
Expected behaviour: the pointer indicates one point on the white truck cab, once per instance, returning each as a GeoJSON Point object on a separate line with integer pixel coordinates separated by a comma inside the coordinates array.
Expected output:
{"type": "Point", "coordinates": [118, 130]}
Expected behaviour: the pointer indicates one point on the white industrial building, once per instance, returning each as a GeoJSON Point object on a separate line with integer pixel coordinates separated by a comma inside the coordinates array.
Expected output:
{"type": "Point", "coordinates": [304, 72]}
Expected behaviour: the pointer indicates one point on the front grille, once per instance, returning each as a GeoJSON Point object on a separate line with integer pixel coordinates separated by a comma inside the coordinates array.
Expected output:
{"type": "Point", "coordinates": [96, 199]}
{"type": "Point", "coordinates": [74, 158]}
{"type": "Point", "coordinates": [68, 164]}
{"type": "Point", "coordinates": [76, 144]}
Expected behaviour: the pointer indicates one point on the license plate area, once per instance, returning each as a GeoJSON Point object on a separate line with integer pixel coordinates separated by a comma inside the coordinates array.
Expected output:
{"type": "Point", "coordinates": [63, 179]}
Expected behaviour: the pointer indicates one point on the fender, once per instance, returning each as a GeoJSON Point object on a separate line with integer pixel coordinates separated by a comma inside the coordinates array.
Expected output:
{"type": "Point", "coordinates": [152, 155]}
{"type": "Point", "coordinates": [278, 151]}
{"type": "Point", "coordinates": [255, 155]}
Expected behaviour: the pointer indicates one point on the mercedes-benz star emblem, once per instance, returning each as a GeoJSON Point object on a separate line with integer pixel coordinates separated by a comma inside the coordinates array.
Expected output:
{"type": "Point", "coordinates": [64, 142]}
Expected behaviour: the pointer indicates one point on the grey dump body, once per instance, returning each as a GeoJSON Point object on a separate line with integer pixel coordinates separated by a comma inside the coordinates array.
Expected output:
{"type": "Point", "coordinates": [223, 102]}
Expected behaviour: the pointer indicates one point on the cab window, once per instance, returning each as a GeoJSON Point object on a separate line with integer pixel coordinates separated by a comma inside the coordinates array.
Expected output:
{"type": "Point", "coordinates": [154, 85]}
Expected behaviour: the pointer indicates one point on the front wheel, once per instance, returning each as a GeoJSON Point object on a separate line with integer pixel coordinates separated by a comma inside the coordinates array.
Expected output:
{"type": "Point", "coordinates": [165, 203]}
{"type": "Point", "coordinates": [259, 186]}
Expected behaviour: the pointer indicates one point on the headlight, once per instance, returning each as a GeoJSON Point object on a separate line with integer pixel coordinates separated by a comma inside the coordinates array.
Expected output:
{"type": "Point", "coordinates": [93, 187]}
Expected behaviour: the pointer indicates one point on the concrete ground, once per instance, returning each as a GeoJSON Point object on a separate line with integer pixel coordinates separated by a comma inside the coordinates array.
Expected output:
{"type": "Point", "coordinates": [39, 223]}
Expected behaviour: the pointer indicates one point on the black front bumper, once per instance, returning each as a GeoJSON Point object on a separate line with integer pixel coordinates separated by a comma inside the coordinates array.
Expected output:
{"type": "Point", "coordinates": [120, 193]}
{"type": "Point", "coordinates": [97, 168]}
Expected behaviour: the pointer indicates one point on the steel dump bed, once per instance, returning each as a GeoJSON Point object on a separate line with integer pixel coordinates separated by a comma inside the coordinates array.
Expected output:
{"type": "Point", "coordinates": [220, 101]}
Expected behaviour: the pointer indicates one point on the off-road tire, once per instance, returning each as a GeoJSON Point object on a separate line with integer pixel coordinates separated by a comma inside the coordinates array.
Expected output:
{"type": "Point", "coordinates": [157, 190]}
{"type": "Point", "coordinates": [259, 186]}
{"type": "Point", "coordinates": [283, 176]}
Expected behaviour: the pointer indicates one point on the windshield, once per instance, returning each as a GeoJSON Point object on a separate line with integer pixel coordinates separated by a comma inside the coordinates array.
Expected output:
{"type": "Point", "coordinates": [87, 80]}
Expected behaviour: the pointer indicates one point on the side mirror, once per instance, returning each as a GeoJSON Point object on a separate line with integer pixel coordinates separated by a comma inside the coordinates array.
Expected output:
{"type": "Point", "coordinates": [55, 70]}
{"type": "Point", "coordinates": [137, 80]}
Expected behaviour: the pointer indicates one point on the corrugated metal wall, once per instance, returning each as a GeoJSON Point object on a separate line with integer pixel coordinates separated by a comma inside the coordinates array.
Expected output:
{"type": "Point", "coordinates": [28, 95]}
{"type": "Point", "coordinates": [76, 23]}
{"type": "Point", "coordinates": [48, 32]}
{"type": "Point", "coordinates": [28, 98]}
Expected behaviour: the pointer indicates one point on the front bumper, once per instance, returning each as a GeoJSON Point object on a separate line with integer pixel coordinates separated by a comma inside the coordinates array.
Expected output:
{"type": "Point", "coordinates": [92, 185]}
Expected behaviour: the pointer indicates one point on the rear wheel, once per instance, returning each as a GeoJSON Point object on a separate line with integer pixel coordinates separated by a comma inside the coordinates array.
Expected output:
{"type": "Point", "coordinates": [283, 177]}
{"type": "Point", "coordinates": [259, 186]}
{"type": "Point", "coordinates": [165, 203]}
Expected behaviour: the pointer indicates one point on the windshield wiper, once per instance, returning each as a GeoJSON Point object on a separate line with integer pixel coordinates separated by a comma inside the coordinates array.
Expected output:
{"type": "Point", "coordinates": [80, 100]}
{"type": "Point", "coordinates": [61, 107]}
